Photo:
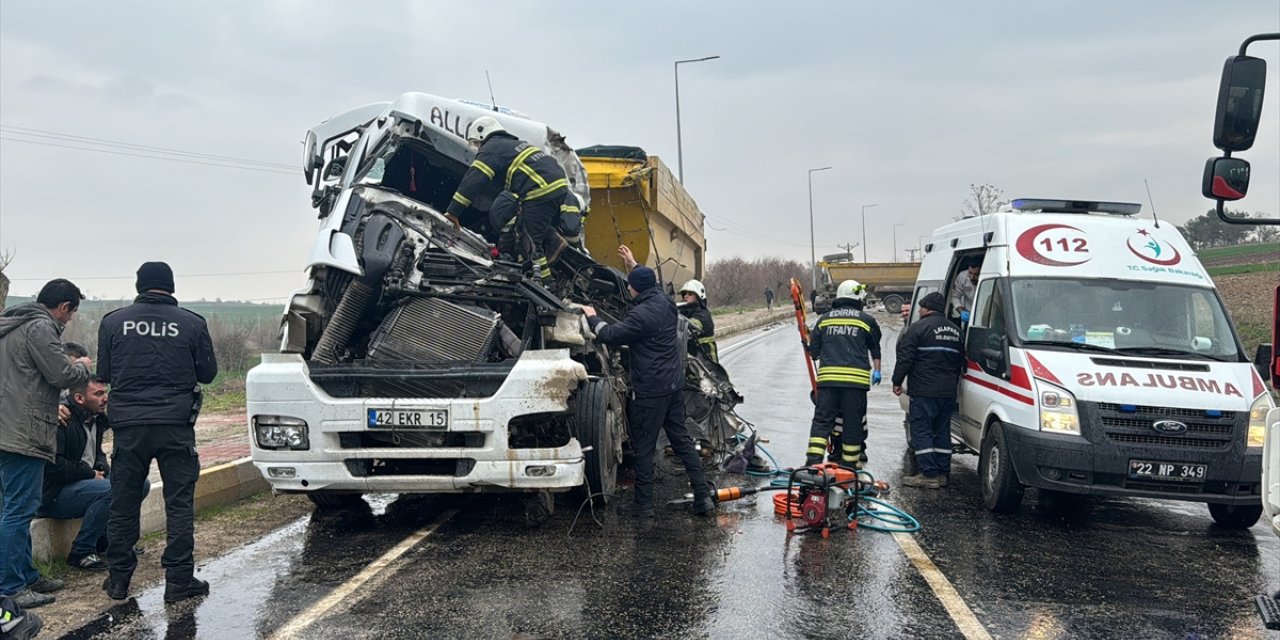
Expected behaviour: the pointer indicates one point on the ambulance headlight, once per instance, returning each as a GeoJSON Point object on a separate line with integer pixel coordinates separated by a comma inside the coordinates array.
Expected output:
{"type": "Point", "coordinates": [1058, 410]}
{"type": "Point", "coordinates": [1258, 420]}
{"type": "Point", "coordinates": [280, 432]}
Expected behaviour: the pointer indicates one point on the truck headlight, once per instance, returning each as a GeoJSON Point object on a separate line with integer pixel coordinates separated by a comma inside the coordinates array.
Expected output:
{"type": "Point", "coordinates": [281, 432]}
{"type": "Point", "coordinates": [1258, 420]}
{"type": "Point", "coordinates": [1058, 410]}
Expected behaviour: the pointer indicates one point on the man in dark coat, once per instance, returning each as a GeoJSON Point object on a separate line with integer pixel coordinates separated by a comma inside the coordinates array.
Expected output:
{"type": "Point", "coordinates": [155, 355]}
{"type": "Point", "coordinates": [657, 387]}
{"type": "Point", "coordinates": [929, 355]}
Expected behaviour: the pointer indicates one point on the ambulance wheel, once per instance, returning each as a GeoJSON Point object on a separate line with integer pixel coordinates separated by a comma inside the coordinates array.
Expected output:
{"type": "Point", "coordinates": [599, 421]}
{"type": "Point", "coordinates": [1001, 491]}
{"type": "Point", "coordinates": [893, 303]}
{"type": "Point", "coordinates": [333, 501]}
{"type": "Point", "coordinates": [1235, 516]}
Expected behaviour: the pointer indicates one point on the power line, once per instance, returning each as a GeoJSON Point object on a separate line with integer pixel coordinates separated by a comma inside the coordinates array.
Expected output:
{"type": "Point", "coordinates": [151, 157]}
{"type": "Point", "coordinates": [41, 133]}
{"type": "Point", "coordinates": [180, 275]}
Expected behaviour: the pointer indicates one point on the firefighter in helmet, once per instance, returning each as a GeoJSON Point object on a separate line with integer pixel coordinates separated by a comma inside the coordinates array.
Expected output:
{"type": "Point", "coordinates": [846, 343]}
{"type": "Point", "coordinates": [702, 329]}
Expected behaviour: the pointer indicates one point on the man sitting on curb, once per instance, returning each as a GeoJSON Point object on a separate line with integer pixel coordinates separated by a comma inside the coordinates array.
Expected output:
{"type": "Point", "coordinates": [75, 483]}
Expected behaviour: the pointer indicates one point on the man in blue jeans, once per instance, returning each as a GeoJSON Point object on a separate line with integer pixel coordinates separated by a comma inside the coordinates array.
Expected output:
{"type": "Point", "coordinates": [34, 368]}
{"type": "Point", "coordinates": [76, 483]}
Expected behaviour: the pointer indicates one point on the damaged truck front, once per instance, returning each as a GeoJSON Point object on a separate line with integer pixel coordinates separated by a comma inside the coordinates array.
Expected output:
{"type": "Point", "coordinates": [413, 360]}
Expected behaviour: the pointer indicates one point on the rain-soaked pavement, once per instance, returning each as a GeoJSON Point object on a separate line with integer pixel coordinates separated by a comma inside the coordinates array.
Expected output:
{"type": "Point", "coordinates": [1054, 569]}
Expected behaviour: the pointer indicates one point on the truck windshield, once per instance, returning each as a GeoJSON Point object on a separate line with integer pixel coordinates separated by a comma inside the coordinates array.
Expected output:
{"type": "Point", "coordinates": [1139, 318]}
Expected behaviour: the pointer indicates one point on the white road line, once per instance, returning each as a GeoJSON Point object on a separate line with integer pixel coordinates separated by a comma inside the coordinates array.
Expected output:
{"type": "Point", "coordinates": [738, 345]}
{"type": "Point", "coordinates": [337, 600]}
{"type": "Point", "coordinates": [951, 600]}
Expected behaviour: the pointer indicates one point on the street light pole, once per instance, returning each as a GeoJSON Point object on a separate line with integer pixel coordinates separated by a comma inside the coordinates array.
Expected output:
{"type": "Point", "coordinates": [864, 229]}
{"type": "Point", "coordinates": [895, 240]}
{"type": "Point", "coordinates": [813, 255]}
{"type": "Point", "coordinates": [679, 147]}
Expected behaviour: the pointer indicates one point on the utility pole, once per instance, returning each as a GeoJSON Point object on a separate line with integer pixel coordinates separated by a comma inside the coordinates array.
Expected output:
{"type": "Point", "coordinates": [848, 248]}
{"type": "Point", "coordinates": [912, 253]}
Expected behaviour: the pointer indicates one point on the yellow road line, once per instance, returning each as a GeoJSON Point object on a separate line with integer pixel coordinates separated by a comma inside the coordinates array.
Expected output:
{"type": "Point", "coordinates": [951, 600]}
{"type": "Point", "coordinates": [337, 600]}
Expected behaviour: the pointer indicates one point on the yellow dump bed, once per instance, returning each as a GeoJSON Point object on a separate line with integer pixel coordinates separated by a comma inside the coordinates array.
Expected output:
{"type": "Point", "coordinates": [885, 276]}
{"type": "Point", "coordinates": [639, 203]}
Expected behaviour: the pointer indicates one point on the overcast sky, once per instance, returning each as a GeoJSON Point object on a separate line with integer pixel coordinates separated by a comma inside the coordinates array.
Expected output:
{"type": "Point", "coordinates": [909, 102]}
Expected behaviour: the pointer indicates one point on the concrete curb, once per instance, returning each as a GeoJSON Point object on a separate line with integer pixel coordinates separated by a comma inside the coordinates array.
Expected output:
{"type": "Point", "coordinates": [234, 481]}
{"type": "Point", "coordinates": [218, 485]}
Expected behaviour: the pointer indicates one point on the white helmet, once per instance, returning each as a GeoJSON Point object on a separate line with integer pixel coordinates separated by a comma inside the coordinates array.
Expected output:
{"type": "Point", "coordinates": [696, 288]}
{"type": "Point", "coordinates": [851, 290]}
{"type": "Point", "coordinates": [482, 128]}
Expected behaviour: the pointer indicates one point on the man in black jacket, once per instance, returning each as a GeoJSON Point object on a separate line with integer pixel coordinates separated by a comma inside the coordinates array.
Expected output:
{"type": "Point", "coordinates": [505, 163]}
{"type": "Point", "coordinates": [154, 354]}
{"type": "Point", "coordinates": [76, 483]}
{"type": "Point", "coordinates": [657, 387]}
{"type": "Point", "coordinates": [929, 353]}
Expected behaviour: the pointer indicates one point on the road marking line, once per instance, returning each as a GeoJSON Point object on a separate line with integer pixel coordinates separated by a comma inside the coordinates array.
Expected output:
{"type": "Point", "coordinates": [960, 612]}
{"type": "Point", "coordinates": [328, 605]}
{"type": "Point", "coordinates": [749, 341]}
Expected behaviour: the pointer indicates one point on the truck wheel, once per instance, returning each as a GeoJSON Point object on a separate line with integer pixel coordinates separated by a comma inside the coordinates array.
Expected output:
{"type": "Point", "coordinates": [1235, 516]}
{"type": "Point", "coordinates": [1001, 491]}
{"type": "Point", "coordinates": [893, 303]}
{"type": "Point", "coordinates": [332, 501]}
{"type": "Point", "coordinates": [599, 422]}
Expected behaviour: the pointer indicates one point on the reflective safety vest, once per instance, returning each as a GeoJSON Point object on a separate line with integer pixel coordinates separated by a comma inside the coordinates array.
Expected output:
{"type": "Point", "coordinates": [506, 163]}
{"type": "Point", "coordinates": [844, 342]}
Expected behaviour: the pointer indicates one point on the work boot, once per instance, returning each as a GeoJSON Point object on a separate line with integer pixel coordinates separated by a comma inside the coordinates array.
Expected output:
{"type": "Point", "coordinates": [812, 460]}
{"type": "Point", "coordinates": [922, 481]}
{"type": "Point", "coordinates": [703, 506]}
{"type": "Point", "coordinates": [196, 587]}
{"type": "Point", "coordinates": [19, 624]}
{"type": "Point", "coordinates": [116, 589]}
{"type": "Point", "coordinates": [28, 599]}
{"type": "Point", "coordinates": [636, 510]}
{"type": "Point", "coordinates": [46, 585]}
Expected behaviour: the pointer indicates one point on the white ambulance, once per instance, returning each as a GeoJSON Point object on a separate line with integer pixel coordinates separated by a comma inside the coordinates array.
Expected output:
{"type": "Point", "coordinates": [1100, 359]}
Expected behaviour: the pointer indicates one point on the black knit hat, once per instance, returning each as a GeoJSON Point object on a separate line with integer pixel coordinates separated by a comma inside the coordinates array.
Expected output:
{"type": "Point", "coordinates": [154, 275]}
{"type": "Point", "coordinates": [642, 279]}
{"type": "Point", "coordinates": [933, 302]}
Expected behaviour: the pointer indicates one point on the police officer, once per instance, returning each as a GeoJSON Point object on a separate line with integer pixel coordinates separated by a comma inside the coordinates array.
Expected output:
{"type": "Point", "coordinates": [154, 354]}
{"type": "Point", "coordinates": [535, 179]}
{"type": "Point", "coordinates": [702, 328]}
{"type": "Point", "coordinates": [846, 344]}
{"type": "Point", "coordinates": [657, 378]}
{"type": "Point", "coordinates": [929, 354]}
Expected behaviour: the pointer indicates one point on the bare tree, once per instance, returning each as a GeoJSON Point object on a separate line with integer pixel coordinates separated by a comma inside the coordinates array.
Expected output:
{"type": "Point", "coordinates": [983, 199]}
{"type": "Point", "coordinates": [734, 282]}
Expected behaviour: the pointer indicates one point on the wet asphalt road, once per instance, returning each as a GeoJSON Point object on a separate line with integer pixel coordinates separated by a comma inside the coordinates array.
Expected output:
{"type": "Point", "coordinates": [1055, 569]}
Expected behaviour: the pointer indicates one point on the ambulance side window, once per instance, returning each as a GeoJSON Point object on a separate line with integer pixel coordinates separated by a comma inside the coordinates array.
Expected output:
{"type": "Point", "coordinates": [923, 290]}
{"type": "Point", "coordinates": [987, 329]}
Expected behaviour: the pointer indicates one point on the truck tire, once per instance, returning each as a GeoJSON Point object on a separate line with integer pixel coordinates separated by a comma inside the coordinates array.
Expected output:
{"type": "Point", "coordinates": [1235, 516]}
{"type": "Point", "coordinates": [893, 303]}
{"type": "Point", "coordinates": [599, 422]}
{"type": "Point", "coordinates": [1001, 491]}
{"type": "Point", "coordinates": [333, 501]}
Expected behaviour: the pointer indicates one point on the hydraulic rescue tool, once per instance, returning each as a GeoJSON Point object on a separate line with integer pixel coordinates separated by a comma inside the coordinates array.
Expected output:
{"type": "Point", "coordinates": [821, 497]}
{"type": "Point", "coordinates": [797, 298]}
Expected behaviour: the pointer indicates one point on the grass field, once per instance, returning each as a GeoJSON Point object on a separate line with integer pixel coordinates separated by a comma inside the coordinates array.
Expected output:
{"type": "Point", "coordinates": [1232, 269]}
{"type": "Point", "coordinates": [1239, 253]}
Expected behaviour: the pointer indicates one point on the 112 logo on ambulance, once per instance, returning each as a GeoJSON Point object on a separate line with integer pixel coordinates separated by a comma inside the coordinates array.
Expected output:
{"type": "Point", "coordinates": [1054, 245]}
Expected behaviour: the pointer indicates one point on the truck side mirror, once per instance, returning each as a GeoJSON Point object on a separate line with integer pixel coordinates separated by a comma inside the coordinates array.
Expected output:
{"type": "Point", "coordinates": [1225, 179]}
{"type": "Point", "coordinates": [1239, 103]}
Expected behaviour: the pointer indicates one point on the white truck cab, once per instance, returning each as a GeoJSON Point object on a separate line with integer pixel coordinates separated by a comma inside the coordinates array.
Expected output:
{"type": "Point", "coordinates": [1100, 360]}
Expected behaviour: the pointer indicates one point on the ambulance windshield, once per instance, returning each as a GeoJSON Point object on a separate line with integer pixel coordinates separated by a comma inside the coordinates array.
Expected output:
{"type": "Point", "coordinates": [1139, 318]}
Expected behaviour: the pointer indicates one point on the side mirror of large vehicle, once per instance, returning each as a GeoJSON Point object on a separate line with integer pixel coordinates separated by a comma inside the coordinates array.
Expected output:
{"type": "Point", "coordinates": [1225, 179]}
{"type": "Point", "coordinates": [1239, 103]}
{"type": "Point", "coordinates": [339, 164]}
{"type": "Point", "coordinates": [997, 355]}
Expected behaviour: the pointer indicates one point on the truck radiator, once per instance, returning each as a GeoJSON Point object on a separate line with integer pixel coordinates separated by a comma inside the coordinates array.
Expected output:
{"type": "Point", "coordinates": [429, 330]}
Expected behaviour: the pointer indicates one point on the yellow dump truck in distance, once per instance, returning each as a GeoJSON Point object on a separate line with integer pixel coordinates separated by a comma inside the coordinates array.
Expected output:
{"type": "Point", "coordinates": [637, 201]}
{"type": "Point", "coordinates": [890, 283]}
